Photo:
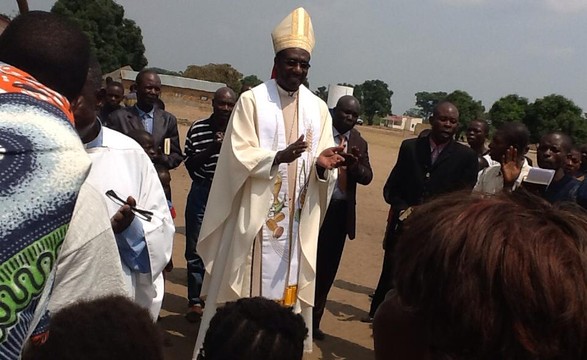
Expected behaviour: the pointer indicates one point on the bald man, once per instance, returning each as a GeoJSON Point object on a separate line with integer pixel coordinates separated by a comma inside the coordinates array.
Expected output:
{"type": "Point", "coordinates": [341, 214]}
{"type": "Point", "coordinates": [426, 167]}
{"type": "Point", "coordinates": [202, 146]}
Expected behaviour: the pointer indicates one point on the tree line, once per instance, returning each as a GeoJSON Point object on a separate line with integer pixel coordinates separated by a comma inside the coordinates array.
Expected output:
{"type": "Point", "coordinates": [118, 41]}
{"type": "Point", "coordinates": [550, 113]}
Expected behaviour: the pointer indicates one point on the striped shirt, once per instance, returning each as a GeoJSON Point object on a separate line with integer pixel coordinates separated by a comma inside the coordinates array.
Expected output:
{"type": "Point", "coordinates": [200, 136]}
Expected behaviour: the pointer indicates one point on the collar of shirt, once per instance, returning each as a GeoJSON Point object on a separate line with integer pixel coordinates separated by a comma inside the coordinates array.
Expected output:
{"type": "Point", "coordinates": [283, 92]}
{"type": "Point", "coordinates": [336, 135]}
{"type": "Point", "coordinates": [523, 173]}
{"type": "Point", "coordinates": [99, 140]}
{"type": "Point", "coordinates": [142, 114]}
{"type": "Point", "coordinates": [435, 146]}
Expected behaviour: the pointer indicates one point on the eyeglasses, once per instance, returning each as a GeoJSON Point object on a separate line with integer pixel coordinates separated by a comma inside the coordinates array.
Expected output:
{"type": "Point", "coordinates": [140, 213]}
{"type": "Point", "coordinates": [293, 63]}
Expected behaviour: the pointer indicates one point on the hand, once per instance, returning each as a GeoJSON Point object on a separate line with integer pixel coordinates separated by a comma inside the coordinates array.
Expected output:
{"type": "Point", "coordinates": [158, 159]}
{"type": "Point", "coordinates": [292, 152]}
{"type": "Point", "coordinates": [330, 158]}
{"type": "Point", "coordinates": [352, 158]}
{"type": "Point", "coordinates": [123, 217]}
{"type": "Point", "coordinates": [510, 168]}
{"type": "Point", "coordinates": [217, 142]}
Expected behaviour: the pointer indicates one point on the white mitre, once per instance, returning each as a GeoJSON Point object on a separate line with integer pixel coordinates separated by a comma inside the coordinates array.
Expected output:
{"type": "Point", "coordinates": [295, 31]}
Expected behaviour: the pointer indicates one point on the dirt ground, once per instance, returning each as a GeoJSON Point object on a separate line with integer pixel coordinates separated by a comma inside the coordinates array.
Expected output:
{"type": "Point", "coordinates": [347, 337]}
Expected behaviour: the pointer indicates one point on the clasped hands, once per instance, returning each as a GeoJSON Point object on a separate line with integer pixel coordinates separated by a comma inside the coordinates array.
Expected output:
{"type": "Point", "coordinates": [329, 158]}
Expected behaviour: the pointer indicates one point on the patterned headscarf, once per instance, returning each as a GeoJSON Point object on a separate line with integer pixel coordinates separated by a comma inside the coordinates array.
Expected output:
{"type": "Point", "coordinates": [42, 166]}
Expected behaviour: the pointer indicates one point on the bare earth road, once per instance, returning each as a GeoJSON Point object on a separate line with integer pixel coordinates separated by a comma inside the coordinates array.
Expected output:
{"type": "Point", "coordinates": [347, 337]}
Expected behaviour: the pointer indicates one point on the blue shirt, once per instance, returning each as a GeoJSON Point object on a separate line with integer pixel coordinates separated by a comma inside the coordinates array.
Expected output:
{"type": "Point", "coordinates": [147, 119]}
{"type": "Point", "coordinates": [563, 190]}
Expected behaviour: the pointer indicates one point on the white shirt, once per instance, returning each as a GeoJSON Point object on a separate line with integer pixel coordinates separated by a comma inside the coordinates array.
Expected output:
{"type": "Point", "coordinates": [490, 180]}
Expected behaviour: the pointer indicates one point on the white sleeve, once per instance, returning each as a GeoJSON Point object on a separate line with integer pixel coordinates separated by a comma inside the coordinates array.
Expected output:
{"type": "Point", "coordinates": [88, 265]}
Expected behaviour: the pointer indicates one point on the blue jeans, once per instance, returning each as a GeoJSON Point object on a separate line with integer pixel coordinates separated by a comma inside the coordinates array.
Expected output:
{"type": "Point", "coordinates": [194, 214]}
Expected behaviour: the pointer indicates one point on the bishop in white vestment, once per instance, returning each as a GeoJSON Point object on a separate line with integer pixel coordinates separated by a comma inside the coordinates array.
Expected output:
{"type": "Point", "coordinates": [271, 188]}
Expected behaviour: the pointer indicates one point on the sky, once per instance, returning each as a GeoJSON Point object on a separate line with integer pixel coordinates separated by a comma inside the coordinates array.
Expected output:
{"type": "Point", "coordinates": [489, 48]}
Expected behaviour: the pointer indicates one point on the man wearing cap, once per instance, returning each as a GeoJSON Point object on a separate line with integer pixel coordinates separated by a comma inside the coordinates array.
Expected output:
{"type": "Point", "coordinates": [271, 187]}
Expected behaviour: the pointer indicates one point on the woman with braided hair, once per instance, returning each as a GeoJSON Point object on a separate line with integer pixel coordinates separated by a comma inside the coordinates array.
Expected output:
{"type": "Point", "coordinates": [254, 328]}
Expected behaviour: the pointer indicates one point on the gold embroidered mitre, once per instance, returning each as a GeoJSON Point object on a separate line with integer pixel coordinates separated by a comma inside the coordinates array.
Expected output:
{"type": "Point", "coordinates": [295, 31]}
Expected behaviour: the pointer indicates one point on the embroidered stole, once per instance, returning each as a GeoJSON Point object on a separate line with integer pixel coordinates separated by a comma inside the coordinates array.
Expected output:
{"type": "Point", "coordinates": [279, 241]}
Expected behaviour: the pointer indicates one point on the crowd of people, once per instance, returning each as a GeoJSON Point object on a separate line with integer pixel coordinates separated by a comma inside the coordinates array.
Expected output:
{"type": "Point", "coordinates": [484, 255]}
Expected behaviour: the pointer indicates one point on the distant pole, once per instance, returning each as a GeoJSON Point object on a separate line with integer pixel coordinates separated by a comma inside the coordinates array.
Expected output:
{"type": "Point", "coordinates": [23, 6]}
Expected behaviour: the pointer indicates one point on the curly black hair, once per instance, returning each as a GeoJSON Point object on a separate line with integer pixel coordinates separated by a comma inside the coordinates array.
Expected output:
{"type": "Point", "coordinates": [254, 328]}
{"type": "Point", "coordinates": [52, 49]}
{"type": "Point", "coordinates": [111, 327]}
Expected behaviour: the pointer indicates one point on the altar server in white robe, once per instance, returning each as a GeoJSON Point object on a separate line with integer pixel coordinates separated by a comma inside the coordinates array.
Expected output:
{"type": "Point", "coordinates": [272, 185]}
{"type": "Point", "coordinates": [120, 166]}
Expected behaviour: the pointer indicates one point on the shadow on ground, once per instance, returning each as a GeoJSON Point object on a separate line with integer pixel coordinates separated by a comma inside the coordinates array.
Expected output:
{"type": "Point", "coordinates": [356, 288]}
{"type": "Point", "coordinates": [180, 230]}
{"type": "Point", "coordinates": [179, 334]}
{"type": "Point", "coordinates": [345, 312]}
{"type": "Point", "coordinates": [335, 348]}
{"type": "Point", "coordinates": [179, 277]}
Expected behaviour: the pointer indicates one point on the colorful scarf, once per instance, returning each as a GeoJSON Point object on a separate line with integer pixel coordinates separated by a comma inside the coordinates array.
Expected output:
{"type": "Point", "coordinates": [42, 166]}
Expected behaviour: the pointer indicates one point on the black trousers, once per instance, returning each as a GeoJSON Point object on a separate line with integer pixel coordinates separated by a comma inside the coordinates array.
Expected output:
{"type": "Point", "coordinates": [330, 246]}
{"type": "Point", "coordinates": [385, 282]}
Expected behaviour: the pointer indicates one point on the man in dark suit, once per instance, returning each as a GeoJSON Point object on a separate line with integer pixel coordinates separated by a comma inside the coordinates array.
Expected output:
{"type": "Point", "coordinates": [341, 214]}
{"type": "Point", "coordinates": [426, 167]}
{"type": "Point", "coordinates": [144, 115]}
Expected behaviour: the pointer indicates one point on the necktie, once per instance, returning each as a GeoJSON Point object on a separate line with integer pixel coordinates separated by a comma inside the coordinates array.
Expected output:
{"type": "Point", "coordinates": [342, 174]}
{"type": "Point", "coordinates": [145, 118]}
{"type": "Point", "coordinates": [434, 155]}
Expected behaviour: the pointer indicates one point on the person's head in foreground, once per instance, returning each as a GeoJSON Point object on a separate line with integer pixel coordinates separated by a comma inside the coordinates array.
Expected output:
{"type": "Point", "coordinates": [500, 277]}
{"type": "Point", "coordinates": [112, 328]}
{"type": "Point", "coordinates": [254, 329]}
{"type": "Point", "coordinates": [51, 49]}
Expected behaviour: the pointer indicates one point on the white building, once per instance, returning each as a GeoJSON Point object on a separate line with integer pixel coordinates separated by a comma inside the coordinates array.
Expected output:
{"type": "Point", "coordinates": [398, 122]}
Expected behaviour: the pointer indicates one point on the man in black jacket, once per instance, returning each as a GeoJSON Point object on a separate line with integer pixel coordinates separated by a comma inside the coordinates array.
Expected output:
{"type": "Point", "coordinates": [340, 217]}
{"type": "Point", "coordinates": [426, 167]}
{"type": "Point", "coordinates": [146, 116]}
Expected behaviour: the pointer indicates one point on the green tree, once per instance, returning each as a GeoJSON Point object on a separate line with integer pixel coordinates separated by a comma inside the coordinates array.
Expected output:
{"type": "Point", "coordinates": [556, 113]}
{"type": "Point", "coordinates": [507, 109]}
{"type": "Point", "coordinates": [322, 93]}
{"type": "Point", "coordinates": [413, 112]}
{"type": "Point", "coordinates": [222, 73]}
{"type": "Point", "coordinates": [115, 40]}
{"type": "Point", "coordinates": [469, 109]}
{"type": "Point", "coordinates": [426, 101]}
{"type": "Point", "coordinates": [375, 98]}
{"type": "Point", "coordinates": [251, 80]}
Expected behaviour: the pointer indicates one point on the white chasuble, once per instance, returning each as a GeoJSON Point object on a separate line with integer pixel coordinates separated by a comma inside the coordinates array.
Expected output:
{"type": "Point", "coordinates": [244, 198]}
{"type": "Point", "coordinates": [280, 245]}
